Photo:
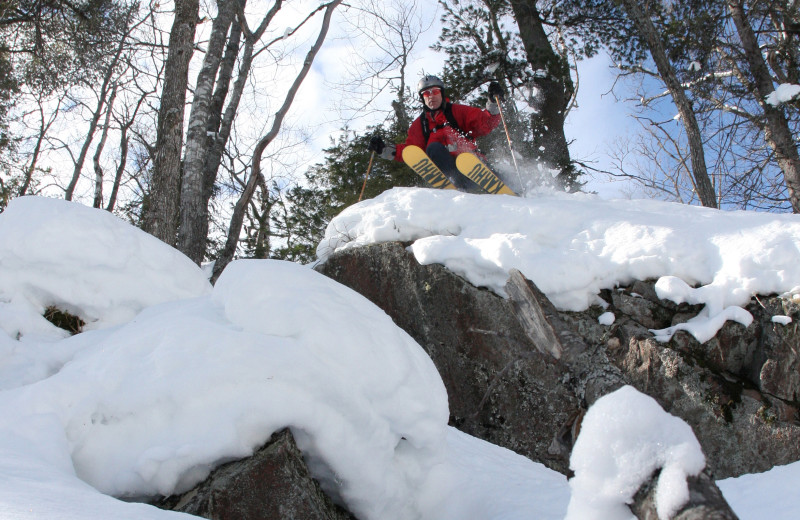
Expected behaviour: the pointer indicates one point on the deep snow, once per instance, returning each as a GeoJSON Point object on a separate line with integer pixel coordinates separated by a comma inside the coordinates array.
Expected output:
{"type": "Point", "coordinates": [174, 376]}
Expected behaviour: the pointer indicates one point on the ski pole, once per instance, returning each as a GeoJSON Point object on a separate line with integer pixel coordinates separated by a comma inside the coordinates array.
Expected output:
{"type": "Point", "coordinates": [508, 138]}
{"type": "Point", "coordinates": [369, 167]}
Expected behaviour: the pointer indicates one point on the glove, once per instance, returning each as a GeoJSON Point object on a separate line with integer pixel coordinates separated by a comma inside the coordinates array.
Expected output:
{"type": "Point", "coordinates": [388, 152]}
{"type": "Point", "coordinates": [496, 91]}
{"type": "Point", "coordinates": [385, 151]}
{"type": "Point", "coordinates": [376, 144]}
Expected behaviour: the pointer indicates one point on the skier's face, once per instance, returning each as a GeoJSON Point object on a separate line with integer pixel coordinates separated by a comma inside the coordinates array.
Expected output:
{"type": "Point", "coordinates": [432, 97]}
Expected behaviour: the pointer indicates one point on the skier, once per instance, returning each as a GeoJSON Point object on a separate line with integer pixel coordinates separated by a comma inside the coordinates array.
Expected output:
{"type": "Point", "coordinates": [445, 129]}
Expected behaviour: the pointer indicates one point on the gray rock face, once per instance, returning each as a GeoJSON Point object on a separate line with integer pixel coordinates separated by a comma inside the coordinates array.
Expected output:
{"type": "Point", "coordinates": [273, 484]}
{"type": "Point", "coordinates": [738, 391]}
{"type": "Point", "coordinates": [705, 503]}
{"type": "Point", "coordinates": [500, 388]}
{"type": "Point", "coordinates": [519, 373]}
{"type": "Point", "coordinates": [763, 355]}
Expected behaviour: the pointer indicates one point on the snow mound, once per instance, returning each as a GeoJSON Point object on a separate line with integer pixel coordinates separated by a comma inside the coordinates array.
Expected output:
{"type": "Point", "coordinates": [150, 407]}
{"type": "Point", "coordinates": [573, 246]}
{"type": "Point", "coordinates": [88, 262]}
{"type": "Point", "coordinates": [174, 377]}
{"type": "Point", "coordinates": [625, 437]}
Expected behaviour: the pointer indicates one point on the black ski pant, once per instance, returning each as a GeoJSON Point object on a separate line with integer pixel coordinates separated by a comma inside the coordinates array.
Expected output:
{"type": "Point", "coordinates": [447, 163]}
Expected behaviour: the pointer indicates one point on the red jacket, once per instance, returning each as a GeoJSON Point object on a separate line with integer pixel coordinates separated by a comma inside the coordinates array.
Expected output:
{"type": "Point", "coordinates": [473, 121]}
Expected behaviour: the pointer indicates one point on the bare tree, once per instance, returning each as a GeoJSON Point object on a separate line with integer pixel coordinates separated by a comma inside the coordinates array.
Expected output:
{"type": "Point", "coordinates": [193, 207]}
{"type": "Point", "coordinates": [46, 120]}
{"type": "Point", "coordinates": [255, 164]}
{"type": "Point", "coordinates": [727, 57]}
{"type": "Point", "coordinates": [216, 118]}
{"type": "Point", "coordinates": [160, 216]}
{"type": "Point", "coordinates": [125, 118]}
{"type": "Point", "coordinates": [103, 96]}
{"type": "Point", "coordinates": [647, 31]}
{"type": "Point", "coordinates": [108, 89]}
{"type": "Point", "coordinates": [656, 161]}
{"type": "Point", "coordinates": [218, 125]}
{"type": "Point", "coordinates": [393, 29]}
{"type": "Point", "coordinates": [98, 169]}
{"type": "Point", "coordinates": [758, 81]}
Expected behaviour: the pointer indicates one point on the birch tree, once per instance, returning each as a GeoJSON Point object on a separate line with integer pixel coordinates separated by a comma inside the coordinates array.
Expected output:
{"type": "Point", "coordinates": [194, 207]}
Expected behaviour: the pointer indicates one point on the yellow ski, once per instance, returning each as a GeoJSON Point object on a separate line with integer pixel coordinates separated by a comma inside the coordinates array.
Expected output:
{"type": "Point", "coordinates": [473, 168]}
{"type": "Point", "coordinates": [419, 161]}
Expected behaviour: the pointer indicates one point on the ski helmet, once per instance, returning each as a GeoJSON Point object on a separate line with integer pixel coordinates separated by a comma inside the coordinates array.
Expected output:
{"type": "Point", "coordinates": [429, 81]}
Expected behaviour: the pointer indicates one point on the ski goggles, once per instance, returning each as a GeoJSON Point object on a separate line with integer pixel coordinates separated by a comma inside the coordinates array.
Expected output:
{"type": "Point", "coordinates": [433, 91]}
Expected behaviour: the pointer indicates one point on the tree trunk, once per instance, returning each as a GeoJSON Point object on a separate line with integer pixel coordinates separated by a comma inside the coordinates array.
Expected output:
{"type": "Point", "coordinates": [776, 128]}
{"type": "Point", "coordinates": [44, 127]}
{"type": "Point", "coordinates": [69, 192]}
{"type": "Point", "coordinates": [261, 218]}
{"type": "Point", "coordinates": [646, 29]}
{"type": "Point", "coordinates": [123, 161]}
{"type": "Point", "coordinates": [193, 210]}
{"type": "Point", "coordinates": [237, 218]}
{"type": "Point", "coordinates": [218, 124]}
{"type": "Point", "coordinates": [556, 87]}
{"type": "Point", "coordinates": [161, 211]}
{"type": "Point", "coordinates": [98, 170]}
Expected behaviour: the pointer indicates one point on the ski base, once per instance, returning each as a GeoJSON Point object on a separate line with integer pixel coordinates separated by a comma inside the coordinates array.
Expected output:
{"type": "Point", "coordinates": [473, 168]}
{"type": "Point", "coordinates": [416, 158]}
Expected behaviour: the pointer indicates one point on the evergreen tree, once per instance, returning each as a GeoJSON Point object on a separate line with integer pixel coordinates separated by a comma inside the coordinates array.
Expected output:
{"type": "Point", "coordinates": [335, 184]}
{"type": "Point", "coordinates": [56, 42]}
{"type": "Point", "coordinates": [531, 60]}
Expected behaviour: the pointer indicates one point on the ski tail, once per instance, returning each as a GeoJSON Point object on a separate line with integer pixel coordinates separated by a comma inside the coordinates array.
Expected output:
{"type": "Point", "coordinates": [473, 168]}
{"type": "Point", "coordinates": [416, 158]}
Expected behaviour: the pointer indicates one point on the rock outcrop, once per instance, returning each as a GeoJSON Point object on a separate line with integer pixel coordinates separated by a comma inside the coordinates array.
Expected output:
{"type": "Point", "coordinates": [520, 374]}
{"type": "Point", "coordinates": [705, 502]}
{"type": "Point", "coordinates": [273, 484]}
{"type": "Point", "coordinates": [525, 389]}
{"type": "Point", "coordinates": [500, 387]}
{"type": "Point", "coordinates": [738, 391]}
